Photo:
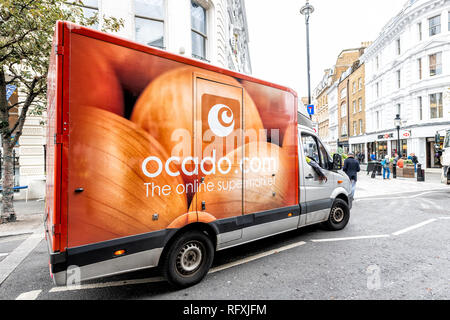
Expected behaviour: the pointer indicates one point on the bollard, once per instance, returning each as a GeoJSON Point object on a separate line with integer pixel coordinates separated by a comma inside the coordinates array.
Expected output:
{"type": "Point", "coordinates": [420, 173]}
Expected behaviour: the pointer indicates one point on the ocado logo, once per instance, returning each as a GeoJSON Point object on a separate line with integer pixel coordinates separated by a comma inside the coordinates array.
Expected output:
{"type": "Point", "coordinates": [221, 120]}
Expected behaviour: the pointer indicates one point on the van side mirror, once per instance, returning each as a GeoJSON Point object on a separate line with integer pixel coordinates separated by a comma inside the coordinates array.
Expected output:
{"type": "Point", "coordinates": [337, 161]}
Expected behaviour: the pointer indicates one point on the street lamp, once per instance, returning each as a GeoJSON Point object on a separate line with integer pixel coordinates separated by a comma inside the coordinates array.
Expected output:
{"type": "Point", "coordinates": [307, 10]}
{"type": "Point", "coordinates": [397, 123]}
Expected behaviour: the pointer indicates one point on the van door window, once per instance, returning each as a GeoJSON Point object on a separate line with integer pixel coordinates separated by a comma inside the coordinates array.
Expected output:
{"type": "Point", "coordinates": [325, 158]}
{"type": "Point", "coordinates": [310, 148]}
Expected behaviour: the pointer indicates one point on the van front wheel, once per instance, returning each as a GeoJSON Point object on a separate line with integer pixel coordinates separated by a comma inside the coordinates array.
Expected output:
{"type": "Point", "coordinates": [188, 259]}
{"type": "Point", "coordinates": [339, 216]}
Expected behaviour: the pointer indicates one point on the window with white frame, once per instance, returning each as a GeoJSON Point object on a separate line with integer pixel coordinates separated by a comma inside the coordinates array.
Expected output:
{"type": "Point", "coordinates": [198, 31]}
{"type": "Point", "coordinates": [434, 25]}
{"type": "Point", "coordinates": [360, 104]}
{"type": "Point", "coordinates": [343, 110]}
{"type": "Point", "coordinates": [90, 9]}
{"type": "Point", "coordinates": [377, 89]}
{"type": "Point", "coordinates": [419, 66]}
{"type": "Point", "coordinates": [355, 128]}
{"type": "Point", "coordinates": [419, 102]}
{"type": "Point", "coordinates": [149, 22]}
{"type": "Point", "coordinates": [354, 106]}
{"type": "Point", "coordinates": [377, 119]}
{"type": "Point", "coordinates": [399, 48]}
{"type": "Point", "coordinates": [419, 28]}
{"type": "Point", "coordinates": [343, 93]}
{"type": "Point", "coordinates": [344, 129]}
{"type": "Point", "coordinates": [399, 79]}
{"type": "Point", "coordinates": [435, 64]}
{"type": "Point", "coordinates": [360, 126]}
{"type": "Point", "coordinates": [360, 84]}
{"type": "Point", "coordinates": [436, 107]}
{"type": "Point", "coordinates": [399, 109]}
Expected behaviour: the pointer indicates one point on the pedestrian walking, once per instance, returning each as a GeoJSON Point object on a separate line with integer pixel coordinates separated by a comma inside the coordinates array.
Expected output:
{"type": "Point", "coordinates": [385, 163]}
{"type": "Point", "coordinates": [351, 168]}
{"type": "Point", "coordinates": [414, 160]}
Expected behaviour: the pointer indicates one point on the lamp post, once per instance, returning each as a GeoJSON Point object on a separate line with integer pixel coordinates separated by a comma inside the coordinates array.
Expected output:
{"type": "Point", "coordinates": [307, 10]}
{"type": "Point", "coordinates": [397, 123]}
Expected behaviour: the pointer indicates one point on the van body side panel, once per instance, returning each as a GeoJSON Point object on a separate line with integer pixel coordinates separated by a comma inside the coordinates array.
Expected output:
{"type": "Point", "coordinates": [153, 142]}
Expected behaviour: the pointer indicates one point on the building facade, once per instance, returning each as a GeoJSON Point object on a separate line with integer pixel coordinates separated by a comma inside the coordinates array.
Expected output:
{"type": "Point", "coordinates": [357, 112]}
{"type": "Point", "coordinates": [408, 73]}
{"type": "Point", "coordinates": [214, 31]}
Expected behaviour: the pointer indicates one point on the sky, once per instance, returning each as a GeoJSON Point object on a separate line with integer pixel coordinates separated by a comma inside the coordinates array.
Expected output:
{"type": "Point", "coordinates": [277, 35]}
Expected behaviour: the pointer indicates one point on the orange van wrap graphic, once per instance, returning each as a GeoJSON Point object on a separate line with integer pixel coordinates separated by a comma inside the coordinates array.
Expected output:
{"type": "Point", "coordinates": [155, 143]}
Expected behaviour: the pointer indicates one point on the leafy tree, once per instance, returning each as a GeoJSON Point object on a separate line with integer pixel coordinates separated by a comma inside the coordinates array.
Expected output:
{"type": "Point", "coordinates": [26, 31]}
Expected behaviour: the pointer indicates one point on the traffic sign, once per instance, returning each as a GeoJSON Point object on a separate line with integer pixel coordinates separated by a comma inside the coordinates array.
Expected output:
{"type": "Point", "coordinates": [310, 109]}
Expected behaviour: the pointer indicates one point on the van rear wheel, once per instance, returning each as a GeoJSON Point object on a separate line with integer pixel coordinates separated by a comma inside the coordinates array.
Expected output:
{"type": "Point", "coordinates": [339, 216]}
{"type": "Point", "coordinates": [188, 259]}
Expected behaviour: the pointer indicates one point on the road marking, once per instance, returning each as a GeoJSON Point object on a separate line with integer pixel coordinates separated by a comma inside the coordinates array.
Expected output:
{"type": "Point", "coordinates": [3, 254]}
{"type": "Point", "coordinates": [352, 238]}
{"type": "Point", "coordinates": [405, 197]}
{"type": "Point", "coordinates": [106, 284]}
{"type": "Point", "coordinates": [161, 279]}
{"type": "Point", "coordinates": [31, 295]}
{"type": "Point", "coordinates": [11, 262]}
{"type": "Point", "coordinates": [413, 227]}
{"type": "Point", "coordinates": [255, 257]}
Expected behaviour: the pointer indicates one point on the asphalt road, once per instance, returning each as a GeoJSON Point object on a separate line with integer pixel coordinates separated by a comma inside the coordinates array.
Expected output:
{"type": "Point", "coordinates": [393, 248]}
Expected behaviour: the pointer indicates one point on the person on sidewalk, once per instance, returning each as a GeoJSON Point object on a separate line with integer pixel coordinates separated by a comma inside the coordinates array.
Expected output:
{"type": "Point", "coordinates": [373, 157]}
{"type": "Point", "coordinates": [415, 161]}
{"type": "Point", "coordinates": [351, 168]}
{"type": "Point", "coordinates": [385, 164]}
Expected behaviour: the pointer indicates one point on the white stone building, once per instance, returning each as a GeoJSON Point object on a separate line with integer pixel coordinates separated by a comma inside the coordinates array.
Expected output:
{"type": "Point", "coordinates": [211, 30]}
{"type": "Point", "coordinates": [333, 130]}
{"type": "Point", "coordinates": [408, 73]}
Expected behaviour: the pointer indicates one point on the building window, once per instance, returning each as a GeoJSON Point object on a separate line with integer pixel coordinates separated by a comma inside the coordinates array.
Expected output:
{"type": "Point", "coordinates": [360, 84]}
{"type": "Point", "coordinates": [354, 87]}
{"type": "Point", "coordinates": [355, 128]}
{"type": "Point", "coordinates": [449, 21]}
{"type": "Point", "coordinates": [343, 93]}
{"type": "Point", "coordinates": [436, 108]}
{"type": "Point", "coordinates": [435, 25]}
{"type": "Point", "coordinates": [377, 88]}
{"type": "Point", "coordinates": [399, 48]}
{"type": "Point", "coordinates": [377, 62]}
{"type": "Point", "coordinates": [420, 108]}
{"type": "Point", "coordinates": [90, 9]}
{"type": "Point", "coordinates": [360, 126]}
{"type": "Point", "coordinates": [354, 106]}
{"type": "Point", "coordinates": [435, 64]}
{"type": "Point", "coordinates": [399, 110]}
{"type": "Point", "coordinates": [344, 130]}
{"type": "Point", "coordinates": [198, 31]}
{"type": "Point", "coordinates": [343, 110]}
{"type": "Point", "coordinates": [360, 104]}
{"type": "Point", "coordinates": [399, 79]}
{"type": "Point", "coordinates": [419, 64]}
{"type": "Point", "coordinates": [419, 27]}
{"type": "Point", "coordinates": [378, 119]}
{"type": "Point", "coordinates": [149, 22]}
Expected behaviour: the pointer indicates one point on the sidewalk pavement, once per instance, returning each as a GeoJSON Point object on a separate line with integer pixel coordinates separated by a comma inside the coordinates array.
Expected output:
{"type": "Point", "coordinates": [30, 217]}
{"type": "Point", "coordinates": [368, 187]}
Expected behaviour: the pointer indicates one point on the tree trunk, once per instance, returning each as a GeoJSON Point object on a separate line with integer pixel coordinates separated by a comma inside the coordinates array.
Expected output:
{"type": "Point", "coordinates": [8, 214]}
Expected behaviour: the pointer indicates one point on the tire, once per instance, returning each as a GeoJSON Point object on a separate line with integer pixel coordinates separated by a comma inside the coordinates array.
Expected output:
{"type": "Point", "coordinates": [188, 259]}
{"type": "Point", "coordinates": [339, 216]}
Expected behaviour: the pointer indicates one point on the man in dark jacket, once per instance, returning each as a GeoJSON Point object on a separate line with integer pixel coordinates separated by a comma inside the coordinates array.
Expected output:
{"type": "Point", "coordinates": [351, 168]}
